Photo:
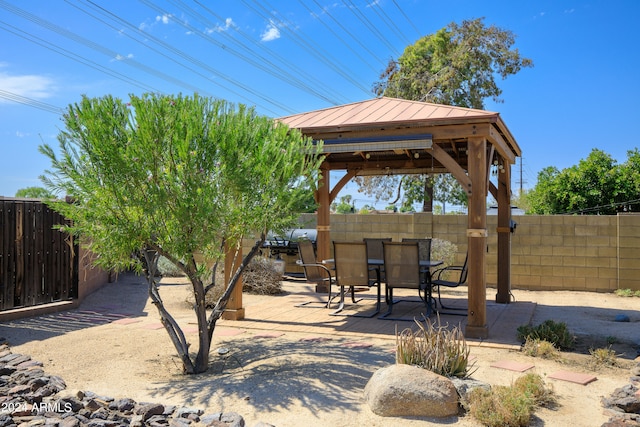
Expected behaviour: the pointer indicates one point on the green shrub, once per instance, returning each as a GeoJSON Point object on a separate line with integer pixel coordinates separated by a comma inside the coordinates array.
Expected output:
{"type": "Point", "coordinates": [627, 293]}
{"type": "Point", "coordinates": [510, 406]}
{"type": "Point", "coordinates": [556, 333]}
{"type": "Point", "coordinates": [435, 348]}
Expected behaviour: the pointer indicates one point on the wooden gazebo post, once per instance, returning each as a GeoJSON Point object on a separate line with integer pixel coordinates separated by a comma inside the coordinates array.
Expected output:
{"type": "Point", "coordinates": [477, 237]}
{"type": "Point", "coordinates": [234, 309]}
{"type": "Point", "coordinates": [323, 227]}
{"type": "Point", "coordinates": [503, 294]}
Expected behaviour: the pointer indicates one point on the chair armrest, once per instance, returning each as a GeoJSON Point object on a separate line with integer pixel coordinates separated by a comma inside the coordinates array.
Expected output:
{"type": "Point", "coordinates": [322, 266]}
{"type": "Point", "coordinates": [437, 273]}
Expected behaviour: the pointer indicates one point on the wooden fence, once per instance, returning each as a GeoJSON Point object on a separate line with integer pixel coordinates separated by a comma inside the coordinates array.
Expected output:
{"type": "Point", "coordinates": [38, 263]}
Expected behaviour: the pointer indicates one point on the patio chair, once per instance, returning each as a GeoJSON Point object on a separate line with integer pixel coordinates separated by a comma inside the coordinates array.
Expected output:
{"type": "Point", "coordinates": [439, 279]}
{"type": "Point", "coordinates": [402, 268]}
{"type": "Point", "coordinates": [352, 270]}
{"type": "Point", "coordinates": [424, 246]}
{"type": "Point", "coordinates": [375, 251]}
{"type": "Point", "coordinates": [314, 272]}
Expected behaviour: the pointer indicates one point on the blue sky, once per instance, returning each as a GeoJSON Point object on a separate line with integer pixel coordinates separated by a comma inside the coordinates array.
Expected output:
{"type": "Point", "coordinates": [287, 57]}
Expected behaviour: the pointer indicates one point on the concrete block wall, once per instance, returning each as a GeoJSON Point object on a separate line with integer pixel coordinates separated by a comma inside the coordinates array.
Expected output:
{"type": "Point", "coordinates": [549, 252]}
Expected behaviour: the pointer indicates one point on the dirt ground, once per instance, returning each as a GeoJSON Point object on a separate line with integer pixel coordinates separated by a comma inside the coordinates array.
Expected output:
{"type": "Point", "coordinates": [288, 379]}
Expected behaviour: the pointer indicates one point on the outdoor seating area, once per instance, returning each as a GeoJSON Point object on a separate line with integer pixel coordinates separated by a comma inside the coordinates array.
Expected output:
{"type": "Point", "coordinates": [357, 267]}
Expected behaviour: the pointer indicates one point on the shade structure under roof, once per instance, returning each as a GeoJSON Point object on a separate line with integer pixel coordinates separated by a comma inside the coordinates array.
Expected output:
{"type": "Point", "coordinates": [389, 135]}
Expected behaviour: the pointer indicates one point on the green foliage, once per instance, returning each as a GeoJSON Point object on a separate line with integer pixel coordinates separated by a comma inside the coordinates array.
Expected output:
{"type": "Point", "coordinates": [556, 333]}
{"type": "Point", "coordinates": [457, 65]}
{"type": "Point", "coordinates": [536, 347]}
{"type": "Point", "coordinates": [627, 293]}
{"type": "Point", "coordinates": [435, 348]}
{"type": "Point", "coordinates": [444, 188]}
{"type": "Point", "coordinates": [597, 185]}
{"type": "Point", "coordinates": [34, 193]}
{"type": "Point", "coordinates": [345, 205]}
{"type": "Point", "coordinates": [510, 406]}
{"type": "Point", "coordinates": [177, 176]}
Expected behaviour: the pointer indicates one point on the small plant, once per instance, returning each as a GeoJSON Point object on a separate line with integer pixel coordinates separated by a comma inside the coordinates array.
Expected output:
{"type": "Point", "coordinates": [168, 269]}
{"type": "Point", "coordinates": [435, 348]}
{"type": "Point", "coordinates": [612, 340]}
{"type": "Point", "coordinates": [603, 357]}
{"type": "Point", "coordinates": [627, 292]}
{"type": "Point", "coordinates": [510, 406]}
{"type": "Point", "coordinates": [536, 347]}
{"type": "Point", "coordinates": [533, 386]}
{"type": "Point", "coordinates": [556, 333]}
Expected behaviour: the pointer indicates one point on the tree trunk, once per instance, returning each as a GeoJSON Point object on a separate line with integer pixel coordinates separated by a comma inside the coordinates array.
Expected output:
{"type": "Point", "coordinates": [427, 204]}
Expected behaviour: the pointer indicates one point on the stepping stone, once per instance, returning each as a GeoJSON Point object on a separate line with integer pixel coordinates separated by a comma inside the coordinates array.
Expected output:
{"type": "Point", "coordinates": [512, 366]}
{"type": "Point", "coordinates": [573, 377]}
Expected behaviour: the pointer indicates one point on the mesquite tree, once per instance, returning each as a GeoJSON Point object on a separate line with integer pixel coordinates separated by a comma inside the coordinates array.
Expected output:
{"type": "Point", "coordinates": [177, 176]}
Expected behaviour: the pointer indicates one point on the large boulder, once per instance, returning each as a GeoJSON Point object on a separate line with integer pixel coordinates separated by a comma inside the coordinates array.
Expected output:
{"type": "Point", "coordinates": [405, 390]}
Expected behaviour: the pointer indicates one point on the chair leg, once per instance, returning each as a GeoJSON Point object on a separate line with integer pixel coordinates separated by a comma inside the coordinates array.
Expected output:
{"type": "Point", "coordinates": [450, 308]}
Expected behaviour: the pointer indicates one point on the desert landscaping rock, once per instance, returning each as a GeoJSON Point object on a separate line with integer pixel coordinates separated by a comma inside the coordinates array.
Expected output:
{"type": "Point", "coordinates": [404, 390]}
{"type": "Point", "coordinates": [624, 403]}
{"type": "Point", "coordinates": [28, 397]}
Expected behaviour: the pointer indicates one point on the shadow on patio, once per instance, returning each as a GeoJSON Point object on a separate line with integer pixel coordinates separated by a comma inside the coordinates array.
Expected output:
{"type": "Point", "coordinates": [270, 314]}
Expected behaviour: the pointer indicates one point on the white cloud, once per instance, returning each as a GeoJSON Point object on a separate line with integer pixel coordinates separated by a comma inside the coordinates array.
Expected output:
{"type": "Point", "coordinates": [228, 23]}
{"type": "Point", "coordinates": [164, 18]}
{"type": "Point", "coordinates": [122, 58]}
{"type": "Point", "coordinates": [271, 33]}
{"type": "Point", "coordinates": [28, 85]}
{"type": "Point", "coordinates": [21, 134]}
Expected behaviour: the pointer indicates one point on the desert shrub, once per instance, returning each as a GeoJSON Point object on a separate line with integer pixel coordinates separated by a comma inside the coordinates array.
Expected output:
{"type": "Point", "coordinates": [536, 347]}
{"type": "Point", "coordinates": [533, 386]}
{"type": "Point", "coordinates": [510, 405]}
{"type": "Point", "coordinates": [168, 269]}
{"type": "Point", "coordinates": [261, 277]}
{"type": "Point", "coordinates": [500, 407]}
{"type": "Point", "coordinates": [602, 357]}
{"type": "Point", "coordinates": [443, 250]}
{"type": "Point", "coordinates": [435, 348]}
{"type": "Point", "coordinates": [556, 333]}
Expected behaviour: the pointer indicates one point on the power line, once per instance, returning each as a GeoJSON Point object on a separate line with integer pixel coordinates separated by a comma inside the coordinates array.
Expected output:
{"type": "Point", "coordinates": [180, 54]}
{"type": "Point", "coordinates": [10, 96]}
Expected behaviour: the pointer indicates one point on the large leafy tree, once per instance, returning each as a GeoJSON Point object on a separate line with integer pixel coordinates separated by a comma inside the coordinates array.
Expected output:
{"type": "Point", "coordinates": [34, 193]}
{"type": "Point", "coordinates": [597, 185]}
{"type": "Point", "coordinates": [457, 65]}
{"type": "Point", "coordinates": [178, 176]}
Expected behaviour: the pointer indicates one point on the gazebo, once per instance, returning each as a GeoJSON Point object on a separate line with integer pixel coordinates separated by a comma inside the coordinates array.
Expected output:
{"type": "Point", "coordinates": [397, 136]}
